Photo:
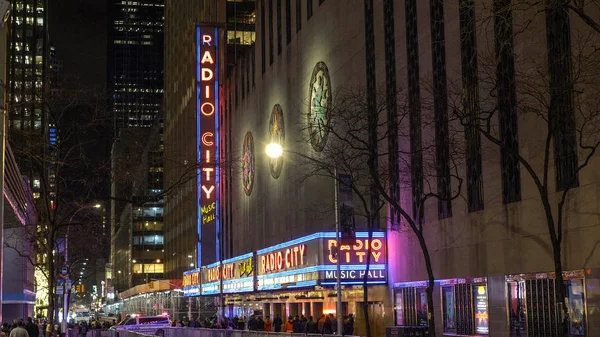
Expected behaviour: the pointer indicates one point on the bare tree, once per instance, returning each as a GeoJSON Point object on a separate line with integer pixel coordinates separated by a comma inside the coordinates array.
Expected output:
{"type": "Point", "coordinates": [552, 87]}
{"type": "Point", "coordinates": [348, 150]}
{"type": "Point", "coordinates": [65, 178]}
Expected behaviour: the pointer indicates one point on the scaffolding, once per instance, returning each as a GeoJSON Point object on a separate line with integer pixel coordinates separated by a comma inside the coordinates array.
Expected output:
{"type": "Point", "coordinates": [171, 302]}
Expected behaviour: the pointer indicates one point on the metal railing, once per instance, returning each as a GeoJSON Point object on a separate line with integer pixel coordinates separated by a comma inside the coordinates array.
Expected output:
{"type": "Point", "coordinates": [201, 332]}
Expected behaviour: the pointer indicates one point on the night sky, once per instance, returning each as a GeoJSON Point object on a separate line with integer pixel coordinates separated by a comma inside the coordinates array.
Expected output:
{"type": "Point", "coordinates": [78, 31]}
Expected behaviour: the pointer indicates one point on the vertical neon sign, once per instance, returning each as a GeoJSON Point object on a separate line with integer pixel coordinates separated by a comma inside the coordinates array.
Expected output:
{"type": "Point", "coordinates": [207, 127]}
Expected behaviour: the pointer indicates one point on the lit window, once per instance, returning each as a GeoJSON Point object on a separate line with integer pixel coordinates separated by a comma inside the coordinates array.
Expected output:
{"type": "Point", "coordinates": [36, 195]}
{"type": "Point", "coordinates": [36, 183]}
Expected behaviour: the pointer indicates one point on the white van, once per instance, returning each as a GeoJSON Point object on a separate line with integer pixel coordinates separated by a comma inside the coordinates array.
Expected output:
{"type": "Point", "coordinates": [82, 316]}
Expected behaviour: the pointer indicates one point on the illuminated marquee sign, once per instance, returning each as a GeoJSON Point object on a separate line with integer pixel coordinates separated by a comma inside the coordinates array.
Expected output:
{"type": "Point", "coordinates": [234, 275]}
{"type": "Point", "coordinates": [304, 262]}
{"type": "Point", "coordinates": [207, 119]}
{"type": "Point", "coordinates": [354, 254]}
{"type": "Point", "coordinates": [238, 274]}
{"type": "Point", "coordinates": [191, 282]}
{"type": "Point", "coordinates": [309, 261]}
{"type": "Point", "coordinates": [211, 279]}
{"type": "Point", "coordinates": [283, 259]}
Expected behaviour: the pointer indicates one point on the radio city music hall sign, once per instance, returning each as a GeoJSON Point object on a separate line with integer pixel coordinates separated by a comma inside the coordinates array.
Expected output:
{"type": "Point", "coordinates": [207, 121]}
{"type": "Point", "coordinates": [356, 252]}
{"type": "Point", "coordinates": [230, 271]}
{"type": "Point", "coordinates": [283, 259]}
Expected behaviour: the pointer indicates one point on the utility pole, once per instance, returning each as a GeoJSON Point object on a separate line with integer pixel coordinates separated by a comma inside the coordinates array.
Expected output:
{"type": "Point", "coordinates": [338, 280]}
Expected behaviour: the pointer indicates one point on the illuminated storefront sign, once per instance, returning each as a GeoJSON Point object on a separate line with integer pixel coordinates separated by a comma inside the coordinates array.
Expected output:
{"type": "Point", "coordinates": [310, 260]}
{"type": "Point", "coordinates": [234, 275]}
{"type": "Point", "coordinates": [304, 262]}
{"type": "Point", "coordinates": [207, 122]}
{"type": "Point", "coordinates": [211, 279]}
{"type": "Point", "coordinates": [481, 309]}
{"type": "Point", "coordinates": [238, 274]}
{"type": "Point", "coordinates": [191, 282]}
{"type": "Point", "coordinates": [354, 254]}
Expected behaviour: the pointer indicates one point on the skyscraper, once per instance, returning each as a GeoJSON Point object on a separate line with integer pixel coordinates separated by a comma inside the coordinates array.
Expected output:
{"type": "Point", "coordinates": [27, 59]}
{"type": "Point", "coordinates": [135, 61]}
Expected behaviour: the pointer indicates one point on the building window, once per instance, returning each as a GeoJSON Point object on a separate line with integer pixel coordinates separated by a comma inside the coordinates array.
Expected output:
{"type": "Point", "coordinates": [465, 308]}
{"type": "Point", "coordinates": [262, 36]}
{"type": "Point", "coordinates": [271, 32]}
{"type": "Point", "coordinates": [507, 101]}
{"type": "Point", "coordinates": [532, 301]}
{"type": "Point", "coordinates": [448, 309]}
{"type": "Point", "coordinates": [414, 107]}
{"type": "Point", "coordinates": [309, 8]}
{"type": "Point", "coordinates": [288, 20]}
{"type": "Point", "coordinates": [470, 89]}
{"type": "Point", "coordinates": [298, 15]}
{"type": "Point", "coordinates": [36, 183]}
{"type": "Point", "coordinates": [411, 306]}
{"type": "Point", "coordinates": [279, 39]}
{"type": "Point", "coordinates": [561, 113]}
{"type": "Point", "coordinates": [440, 107]}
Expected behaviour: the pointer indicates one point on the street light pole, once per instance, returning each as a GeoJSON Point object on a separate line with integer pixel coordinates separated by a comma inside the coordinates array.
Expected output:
{"type": "Point", "coordinates": [338, 273]}
{"type": "Point", "coordinates": [63, 327]}
{"type": "Point", "coordinates": [274, 151]}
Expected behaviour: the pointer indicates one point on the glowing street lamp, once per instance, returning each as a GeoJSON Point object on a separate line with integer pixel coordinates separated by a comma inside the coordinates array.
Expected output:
{"type": "Point", "coordinates": [274, 150]}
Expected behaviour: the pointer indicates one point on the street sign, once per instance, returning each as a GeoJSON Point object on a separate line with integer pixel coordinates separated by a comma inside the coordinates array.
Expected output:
{"type": "Point", "coordinates": [68, 283]}
{"type": "Point", "coordinates": [59, 282]}
{"type": "Point", "coordinates": [59, 290]}
{"type": "Point", "coordinates": [64, 271]}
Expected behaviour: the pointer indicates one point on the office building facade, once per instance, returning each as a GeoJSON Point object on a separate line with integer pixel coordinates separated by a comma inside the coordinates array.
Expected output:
{"type": "Point", "coordinates": [490, 249]}
{"type": "Point", "coordinates": [135, 61]}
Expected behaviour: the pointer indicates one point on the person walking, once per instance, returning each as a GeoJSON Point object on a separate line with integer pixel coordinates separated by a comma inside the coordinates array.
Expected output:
{"type": "Point", "coordinates": [277, 322]}
{"type": "Point", "coordinates": [32, 329]}
{"type": "Point", "coordinates": [268, 324]}
{"type": "Point", "coordinates": [321, 324]}
{"type": "Point", "coordinates": [289, 324]}
{"type": "Point", "coordinates": [19, 330]}
{"type": "Point", "coordinates": [328, 325]}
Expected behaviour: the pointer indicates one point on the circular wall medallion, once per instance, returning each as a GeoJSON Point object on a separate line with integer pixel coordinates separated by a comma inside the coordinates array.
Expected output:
{"type": "Point", "coordinates": [277, 136]}
{"type": "Point", "coordinates": [248, 163]}
{"type": "Point", "coordinates": [319, 107]}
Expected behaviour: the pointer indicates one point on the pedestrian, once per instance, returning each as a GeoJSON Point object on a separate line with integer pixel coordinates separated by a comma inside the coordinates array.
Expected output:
{"type": "Point", "coordinates": [321, 324]}
{"type": "Point", "coordinates": [277, 322]}
{"type": "Point", "coordinates": [289, 324]}
{"type": "Point", "coordinates": [32, 329]}
{"type": "Point", "coordinates": [350, 324]}
{"type": "Point", "coordinates": [311, 326]}
{"type": "Point", "coordinates": [268, 324]}
{"type": "Point", "coordinates": [297, 325]}
{"type": "Point", "coordinates": [5, 328]}
{"type": "Point", "coordinates": [261, 324]}
{"type": "Point", "coordinates": [328, 325]}
{"type": "Point", "coordinates": [304, 323]}
{"type": "Point", "coordinates": [19, 330]}
{"type": "Point", "coordinates": [83, 329]}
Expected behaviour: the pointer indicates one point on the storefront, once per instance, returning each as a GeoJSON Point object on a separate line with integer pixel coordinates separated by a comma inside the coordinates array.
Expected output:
{"type": "Point", "coordinates": [530, 300]}
{"type": "Point", "coordinates": [464, 304]}
{"type": "Point", "coordinates": [532, 304]}
{"type": "Point", "coordinates": [296, 277]}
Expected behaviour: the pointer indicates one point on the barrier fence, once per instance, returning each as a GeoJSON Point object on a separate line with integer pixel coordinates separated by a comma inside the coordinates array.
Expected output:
{"type": "Point", "coordinates": [201, 332]}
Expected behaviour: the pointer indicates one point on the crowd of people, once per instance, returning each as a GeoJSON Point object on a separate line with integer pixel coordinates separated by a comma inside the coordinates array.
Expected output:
{"type": "Point", "coordinates": [326, 324]}
{"type": "Point", "coordinates": [41, 328]}
{"type": "Point", "coordinates": [20, 328]}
